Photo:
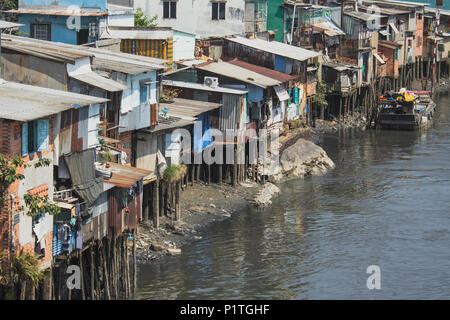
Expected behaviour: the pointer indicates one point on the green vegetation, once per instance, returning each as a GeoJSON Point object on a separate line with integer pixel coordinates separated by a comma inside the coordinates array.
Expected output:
{"type": "Point", "coordinates": [141, 20]}
{"type": "Point", "coordinates": [174, 173]}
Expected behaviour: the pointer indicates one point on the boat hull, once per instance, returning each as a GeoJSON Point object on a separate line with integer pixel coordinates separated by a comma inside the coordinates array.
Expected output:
{"type": "Point", "coordinates": [407, 121]}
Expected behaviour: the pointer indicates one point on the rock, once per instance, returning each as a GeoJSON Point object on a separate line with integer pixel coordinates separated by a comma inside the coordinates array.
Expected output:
{"type": "Point", "coordinates": [305, 158]}
{"type": "Point", "coordinates": [174, 251]}
{"type": "Point", "coordinates": [198, 238]}
{"type": "Point", "coordinates": [264, 196]}
{"type": "Point", "coordinates": [197, 209]}
{"type": "Point", "coordinates": [157, 247]}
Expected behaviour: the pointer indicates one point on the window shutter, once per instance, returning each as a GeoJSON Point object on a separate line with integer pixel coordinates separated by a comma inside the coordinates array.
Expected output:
{"type": "Point", "coordinates": [222, 10]}
{"type": "Point", "coordinates": [42, 135]}
{"type": "Point", "coordinates": [24, 139]}
{"type": "Point", "coordinates": [173, 10]}
{"type": "Point", "coordinates": [214, 10]}
{"type": "Point", "coordinates": [166, 9]}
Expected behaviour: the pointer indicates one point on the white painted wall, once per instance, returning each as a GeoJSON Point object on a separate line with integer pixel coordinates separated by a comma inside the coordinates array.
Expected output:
{"type": "Point", "coordinates": [195, 16]}
{"type": "Point", "coordinates": [133, 114]}
{"type": "Point", "coordinates": [183, 46]}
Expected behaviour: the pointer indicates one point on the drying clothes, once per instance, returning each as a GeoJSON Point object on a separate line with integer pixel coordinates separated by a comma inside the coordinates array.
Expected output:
{"type": "Point", "coordinates": [79, 240]}
{"type": "Point", "coordinates": [123, 157]}
{"type": "Point", "coordinates": [63, 233]}
{"type": "Point", "coordinates": [255, 94]}
{"type": "Point", "coordinates": [161, 163]}
{"type": "Point", "coordinates": [82, 172]}
{"type": "Point", "coordinates": [39, 230]}
{"type": "Point", "coordinates": [255, 111]}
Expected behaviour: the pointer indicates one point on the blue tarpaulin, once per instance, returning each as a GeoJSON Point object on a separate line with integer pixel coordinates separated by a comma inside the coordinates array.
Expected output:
{"type": "Point", "coordinates": [255, 94]}
{"type": "Point", "coordinates": [280, 63]}
{"type": "Point", "coordinates": [202, 134]}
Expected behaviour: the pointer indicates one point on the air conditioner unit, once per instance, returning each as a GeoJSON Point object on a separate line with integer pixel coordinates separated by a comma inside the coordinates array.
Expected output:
{"type": "Point", "coordinates": [211, 82]}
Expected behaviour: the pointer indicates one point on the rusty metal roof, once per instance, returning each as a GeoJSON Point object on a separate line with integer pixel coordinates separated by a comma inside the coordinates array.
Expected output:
{"type": "Point", "coordinates": [105, 59]}
{"type": "Point", "coordinates": [232, 71]}
{"type": "Point", "coordinates": [125, 176]}
{"type": "Point", "coordinates": [23, 102]}
{"type": "Point", "coordinates": [277, 75]}
{"type": "Point", "coordinates": [59, 12]}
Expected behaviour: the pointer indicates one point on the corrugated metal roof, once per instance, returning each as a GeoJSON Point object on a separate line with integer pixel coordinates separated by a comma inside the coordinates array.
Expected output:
{"type": "Point", "coordinates": [364, 16]}
{"type": "Point", "coordinates": [278, 48]}
{"type": "Point", "coordinates": [329, 28]}
{"type": "Point", "coordinates": [235, 72]}
{"type": "Point", "coordinates": [199, 86]}
{"type": "Point", "coordinates": [389, 44]}
{"type": "Point", "coordinates": [387, 11]}
{"type": "Point", "coordinates": [170, 123]}
{"type": "Point", "coordinates": [135, 33]}
{"type": "Point", "coordinates": [98, 81]}
{"type": "Point", "coordinates": [59, 12]}
{"type": "Point", "coordinates": [125, 176]}
{"type": "Point", "coordinates": [23, 102]}
{"type": "Point", "coordinates": [187, 108]}
{"type": "Point", "coordinates": [442, 12]}
{"type": "Point", "coordinates": [8, 25]}
{"type": "Point", "coordinates": [277, 75]}
{"type": "Point", "coordinates": [117, 61]}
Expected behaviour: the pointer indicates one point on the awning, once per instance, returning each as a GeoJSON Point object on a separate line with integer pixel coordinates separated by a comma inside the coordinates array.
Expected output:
{"type": "Point", "coordinates": [125, 176]}
{"type": "Point", "coordinates": [235, 72]}
{"type": "Point", "coordinates": [98, 81]}
{"type": "Point", "coordinates": [200, 86]}
{"type": "Point", "coordinates": [379, 58]}
{"type": "Point", "coordinates": [384, 32]}
{"type": "Point", "coordinates": [393, 27]}
{"type": "Point", "coordinates": [188, 109]}
{"type": "Point", "coordinates": [23, 102]}
{"type": "Point", "coordinates": [82, 71]}
{"type": "Point", "coordinates": [9, 25]}
{"type": "Point", "coordinates": [281, 93]}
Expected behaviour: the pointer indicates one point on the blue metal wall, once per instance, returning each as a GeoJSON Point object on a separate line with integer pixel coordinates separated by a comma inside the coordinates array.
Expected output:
{"type": "Point", "coordinates": [59, 30]}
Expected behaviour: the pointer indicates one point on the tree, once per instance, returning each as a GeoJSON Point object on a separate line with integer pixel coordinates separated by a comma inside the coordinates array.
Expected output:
{"type": "Point", "coordinates": [141, 20]}
{"type": "Point", "coordinates": [22, 268]}
{"type": "Point", "coordinates": [319, 99]}
{"type": "Point", "coordinates": [8, 5]}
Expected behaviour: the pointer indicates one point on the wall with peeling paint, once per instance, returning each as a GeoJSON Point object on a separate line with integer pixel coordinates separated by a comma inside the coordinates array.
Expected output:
{"type": "Point", "coordinates": [195, 16]}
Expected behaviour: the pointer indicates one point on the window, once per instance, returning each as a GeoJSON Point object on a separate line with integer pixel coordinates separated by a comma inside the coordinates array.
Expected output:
{"type": "Point", "coordinates": [35, 136]}
{"type": "Point", "coordinates": [41, 31]}
{"type": "Point", "coordinates": [143, 93]}
{"type": "Point", "coordinates": [170, 10]}
{"type": "Point", "coordinates": [218, 10]}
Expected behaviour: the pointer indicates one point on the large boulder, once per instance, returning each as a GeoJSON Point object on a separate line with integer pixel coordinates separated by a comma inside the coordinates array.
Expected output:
{"type": "Point", "coordinates": [304, 158]}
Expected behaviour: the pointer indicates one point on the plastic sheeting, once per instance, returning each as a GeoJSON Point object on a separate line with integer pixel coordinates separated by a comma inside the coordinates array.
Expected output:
{"type": "Point", "coordinates": [202, 134]}
{"type": "Point", "coordinates": [82, 173]}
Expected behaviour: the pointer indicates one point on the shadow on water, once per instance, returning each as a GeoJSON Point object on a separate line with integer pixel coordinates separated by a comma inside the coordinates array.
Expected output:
{"type": "Point", "coordinates": [386, 203]}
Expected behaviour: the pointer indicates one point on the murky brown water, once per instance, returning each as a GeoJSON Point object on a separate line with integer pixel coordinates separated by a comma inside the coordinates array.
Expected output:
{"type": "Point", "coordinates": [386, 203]}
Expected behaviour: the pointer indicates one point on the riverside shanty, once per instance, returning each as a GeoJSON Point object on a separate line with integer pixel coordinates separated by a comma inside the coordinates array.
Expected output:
{"type": "Point", "coordinates": [91, 117]}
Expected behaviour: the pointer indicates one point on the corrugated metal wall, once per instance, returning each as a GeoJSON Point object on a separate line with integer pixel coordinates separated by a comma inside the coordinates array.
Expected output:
{"type": "Point", "coordinates": [161, 49]}
{"type": "Point", "coordinates": [230, 112]}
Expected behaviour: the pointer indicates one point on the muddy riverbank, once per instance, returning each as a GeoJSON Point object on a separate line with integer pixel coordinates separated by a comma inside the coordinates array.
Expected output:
{"type": "Point", "coordinates": [203, 204]}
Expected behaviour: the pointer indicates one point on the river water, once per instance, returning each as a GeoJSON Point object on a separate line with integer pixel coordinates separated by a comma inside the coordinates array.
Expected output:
{"type": "Point", "coordinates": [385, 204]}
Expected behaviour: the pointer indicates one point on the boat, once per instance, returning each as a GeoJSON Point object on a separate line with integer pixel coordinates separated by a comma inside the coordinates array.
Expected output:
{"type": "Point", "coordinates": [405, 110]}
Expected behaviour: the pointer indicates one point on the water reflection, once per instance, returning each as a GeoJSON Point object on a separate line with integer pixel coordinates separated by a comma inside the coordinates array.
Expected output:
{"type": "Point", "coordinates": [386, 204]}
